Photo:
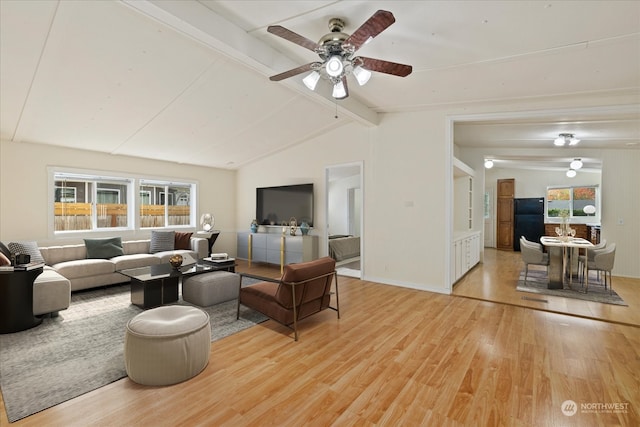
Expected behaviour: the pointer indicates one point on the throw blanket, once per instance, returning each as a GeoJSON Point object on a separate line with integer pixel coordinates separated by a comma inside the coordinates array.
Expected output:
{"type": "Point", "coordinates": [341, 248]}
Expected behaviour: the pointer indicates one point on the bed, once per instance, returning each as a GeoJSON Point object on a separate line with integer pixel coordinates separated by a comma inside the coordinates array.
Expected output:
{"type": "Point", "coordinates": [342, 247]}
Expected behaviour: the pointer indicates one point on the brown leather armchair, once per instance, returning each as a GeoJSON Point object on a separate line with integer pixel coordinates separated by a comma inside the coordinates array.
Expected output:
{"type": "Point", "coordinates": [303, 290]}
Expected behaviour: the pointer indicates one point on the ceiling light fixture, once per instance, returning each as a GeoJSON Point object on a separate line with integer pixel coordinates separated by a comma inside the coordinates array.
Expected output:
{"type": "Point", "coordinates": [565, 139]}
{"type": "Point", "coordinates": [571, 173]}
{"type": "Point", "coordinates": [576, 164]}
{"type": "Point", "coordinates": [488, 163]}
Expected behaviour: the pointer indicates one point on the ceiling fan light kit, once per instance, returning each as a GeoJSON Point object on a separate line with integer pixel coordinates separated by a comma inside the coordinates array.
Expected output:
{"type": "Point", "coordinates": [336, 51]}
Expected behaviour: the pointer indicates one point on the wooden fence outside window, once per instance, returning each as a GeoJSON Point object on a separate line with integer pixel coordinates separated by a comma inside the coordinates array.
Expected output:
{"type": "Point", "coordinates": [77, 216]}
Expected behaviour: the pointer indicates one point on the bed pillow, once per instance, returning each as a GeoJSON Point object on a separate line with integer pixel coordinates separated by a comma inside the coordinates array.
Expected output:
{"type": "Point", "coordinates": [182, 241]}
{"type": "Point", "coordinates": [104, 248]}
{"type": "Point", "coordinates": [29, 248]}
{"type": "Point", "coordinates": [162, 241]}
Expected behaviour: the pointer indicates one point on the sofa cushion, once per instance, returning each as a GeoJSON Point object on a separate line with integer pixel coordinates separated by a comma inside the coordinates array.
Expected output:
{"type": "Point", "coordinates": [162, 241]}
{"type": "Point", "coordinates": [131, 247]}
{"type": "Point", "coordinates": [51, 292]}
{"type": "Point", "coordinates": [183, 240]}
{"type": "Point", "coordinates": [29, 248]}
{"type": "Point", "coordinates": [104, 248]}
{"type": "Point", "coordinates": [134, 261]}
{"type": "Point", "coordinates": [57, 254]}
{"type": "Point", "coordinates": [84, 268]}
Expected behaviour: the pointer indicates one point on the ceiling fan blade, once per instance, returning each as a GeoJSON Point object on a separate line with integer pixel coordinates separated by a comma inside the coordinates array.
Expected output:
{"type": "Point", "coordinates": [291, 73]}
{"type": "Point", "coordinates": [378, 22]}
{"type": "Point", "coordinates": [385, 66]}
{"type": "Point", "coordinates": [292, 37]}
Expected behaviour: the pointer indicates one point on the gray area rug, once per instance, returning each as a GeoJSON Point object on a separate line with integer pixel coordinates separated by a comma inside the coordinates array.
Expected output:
{"type": "Point", "coordinates": [537, 282]}
{"type": "Point", "coordinates": [82, 349]}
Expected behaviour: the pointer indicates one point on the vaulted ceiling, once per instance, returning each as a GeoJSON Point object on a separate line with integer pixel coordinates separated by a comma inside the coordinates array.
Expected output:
{"type": "Point", "coordinates": [187, 81]}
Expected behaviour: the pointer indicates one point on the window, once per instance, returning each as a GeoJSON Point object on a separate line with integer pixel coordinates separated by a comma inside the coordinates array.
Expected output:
{"type": "Point", "coordinates": [575, 202]}
{"type": "Point", "coordinates": [85, 202]}
{"type": "Point", "coordinates": [165, 204]}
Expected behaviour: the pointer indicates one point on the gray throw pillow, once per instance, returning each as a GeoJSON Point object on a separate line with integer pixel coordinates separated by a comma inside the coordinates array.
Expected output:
{"type": "Point", "coordinates": [162, 241]}
{"type": "Point", "coordinates": [29, 248]}
{"type": "Point", "coordinates": [104, 248]}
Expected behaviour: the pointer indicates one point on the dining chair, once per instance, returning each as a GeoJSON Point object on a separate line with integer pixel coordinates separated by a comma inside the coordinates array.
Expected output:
{"type": "Point", "coordinates": [532, 253]}
{"type": "Point", "coordinates": [589, 257]}
{"type": "Point", "coordinates": [603, 261]}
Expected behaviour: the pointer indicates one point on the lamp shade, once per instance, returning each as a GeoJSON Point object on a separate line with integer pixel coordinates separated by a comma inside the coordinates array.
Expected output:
{"type": "Point", "coordinates": [339, 91]}
{"type": "Point", "coordinates": [362, 75]}
{"type": "Point", "coordinates": [311, 80]}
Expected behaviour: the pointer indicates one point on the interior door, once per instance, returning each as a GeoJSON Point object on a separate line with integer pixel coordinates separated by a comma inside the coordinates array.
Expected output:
{"type": "Point", "coordinates": [506, 194]}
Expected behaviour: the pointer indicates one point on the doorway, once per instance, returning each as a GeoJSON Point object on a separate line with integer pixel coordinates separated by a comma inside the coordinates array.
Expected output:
{"type": "Point", "coordinates": [344, 217]}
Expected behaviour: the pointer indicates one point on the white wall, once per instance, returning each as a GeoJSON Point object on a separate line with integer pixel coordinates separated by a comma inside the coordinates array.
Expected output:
{"type": "Point", "coordinates": [23, 189]}
{"type": "Point", "coordinates": [405, 164]}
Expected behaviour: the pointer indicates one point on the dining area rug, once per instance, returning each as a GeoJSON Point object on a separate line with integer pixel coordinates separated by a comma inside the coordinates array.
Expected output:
{"type": "Point", "coordinates": [537, 282]}
{"type": "Point", "coordinates": [82, 349]}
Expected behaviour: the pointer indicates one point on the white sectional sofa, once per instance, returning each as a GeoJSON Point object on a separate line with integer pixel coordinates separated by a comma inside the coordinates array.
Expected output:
{"type": "Point", "coordinates": [68, 269]}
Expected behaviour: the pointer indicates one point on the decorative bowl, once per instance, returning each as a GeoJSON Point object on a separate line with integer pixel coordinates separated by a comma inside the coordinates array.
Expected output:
{"type": "Point", "coordinates": [176, 261]}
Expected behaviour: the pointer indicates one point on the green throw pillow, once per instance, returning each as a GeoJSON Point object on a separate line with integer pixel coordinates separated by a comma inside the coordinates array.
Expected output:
{"type": "Point", "coordinates": [104, 248]}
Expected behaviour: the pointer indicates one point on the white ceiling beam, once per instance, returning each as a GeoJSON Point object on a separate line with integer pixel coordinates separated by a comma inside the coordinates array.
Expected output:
{"type": "Point", "coordinates": [202, 24]}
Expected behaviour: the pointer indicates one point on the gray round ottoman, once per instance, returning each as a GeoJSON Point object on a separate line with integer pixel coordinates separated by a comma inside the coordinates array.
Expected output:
{"type": "Point", "coordinates": [167, 345]}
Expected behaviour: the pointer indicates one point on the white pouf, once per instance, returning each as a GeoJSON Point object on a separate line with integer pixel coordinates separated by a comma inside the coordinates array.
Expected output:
{"type": "Point", "coordinates": [211, 288]}
{"type": "Point", "coordinates": [167, 345]}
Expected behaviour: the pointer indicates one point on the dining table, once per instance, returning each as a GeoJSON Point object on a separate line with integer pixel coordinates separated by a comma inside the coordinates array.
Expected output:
{"type": "Point", "coordinates": [561, 256]}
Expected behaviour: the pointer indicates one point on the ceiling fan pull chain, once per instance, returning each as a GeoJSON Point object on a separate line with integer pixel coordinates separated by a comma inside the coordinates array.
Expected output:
{"type": "Point", "coordinates": [336, 102]}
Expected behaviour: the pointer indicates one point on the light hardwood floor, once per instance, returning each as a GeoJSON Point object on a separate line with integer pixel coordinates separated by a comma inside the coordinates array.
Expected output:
{"type": "Point", "coordinates": [396, 357]}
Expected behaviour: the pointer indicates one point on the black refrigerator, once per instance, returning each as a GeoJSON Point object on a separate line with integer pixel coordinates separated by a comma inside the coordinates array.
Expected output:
{"type": "Point", "coordinates": [528, 220]}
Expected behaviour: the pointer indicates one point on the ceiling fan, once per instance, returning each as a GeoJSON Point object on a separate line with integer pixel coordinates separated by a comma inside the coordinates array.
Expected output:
{"type": "Point", "coordinates": [337, 49]}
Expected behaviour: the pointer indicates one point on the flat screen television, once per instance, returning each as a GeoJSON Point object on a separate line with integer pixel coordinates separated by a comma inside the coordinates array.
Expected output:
{"type": "Point", "coordinates": [277, 205]}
